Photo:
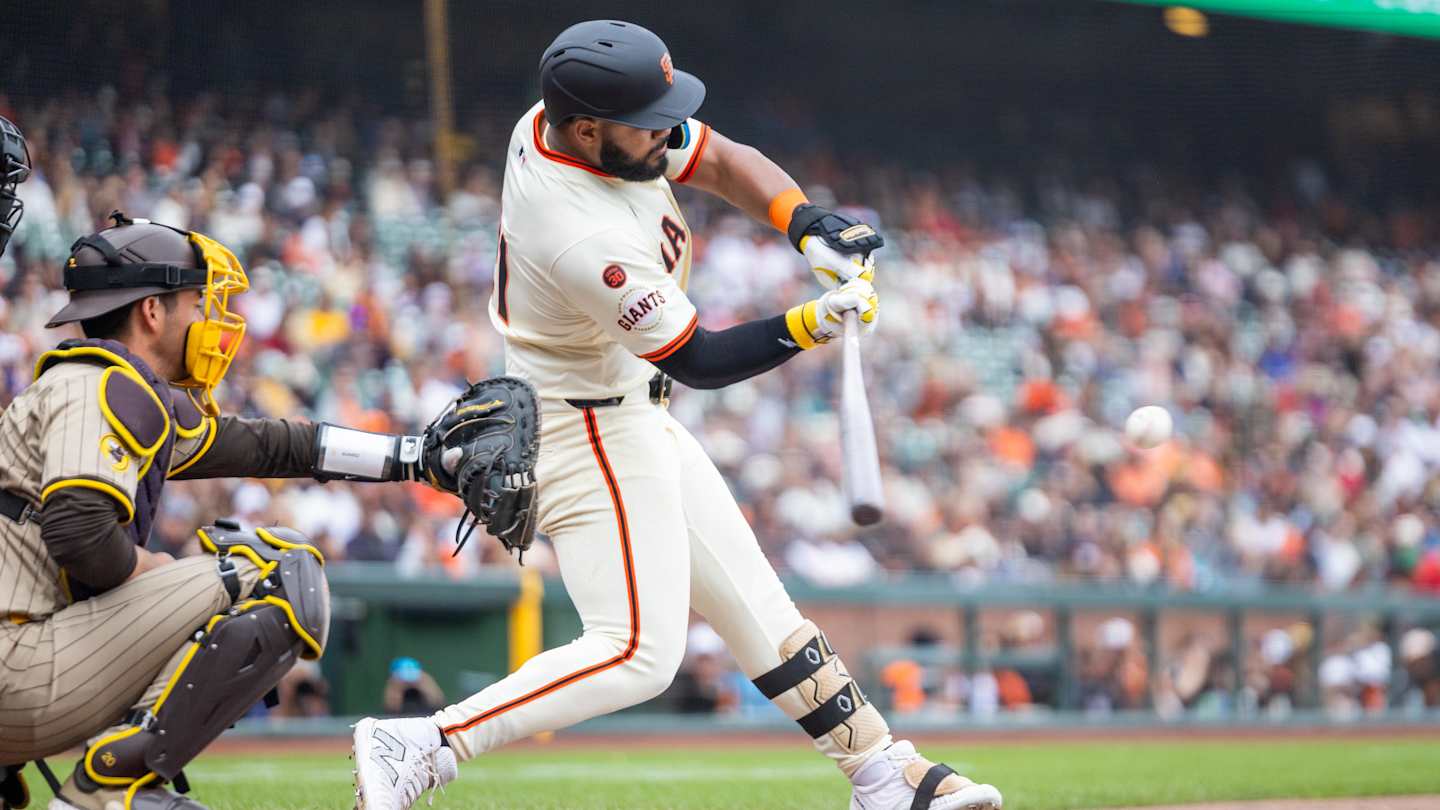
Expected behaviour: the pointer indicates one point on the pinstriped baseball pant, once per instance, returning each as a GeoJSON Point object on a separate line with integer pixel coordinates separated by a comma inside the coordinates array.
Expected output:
{"type": "Point", "coordinates": [75, 675]}
{"type": "Point", "coordinates": [644, 528]}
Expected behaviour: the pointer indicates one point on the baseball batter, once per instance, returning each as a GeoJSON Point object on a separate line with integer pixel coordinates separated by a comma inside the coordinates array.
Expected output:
{"type": "Point", "coordinates": [143, 659]}
{"type": "Point", "coordinates": [589, 293]}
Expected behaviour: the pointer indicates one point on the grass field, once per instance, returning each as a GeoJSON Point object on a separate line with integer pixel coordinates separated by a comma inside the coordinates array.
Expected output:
{"type": "Point", "coordinates": [1033, 776]}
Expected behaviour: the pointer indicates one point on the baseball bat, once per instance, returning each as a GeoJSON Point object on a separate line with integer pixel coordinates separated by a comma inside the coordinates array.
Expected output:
{"type": "Point", "coordinates": [857, 433]}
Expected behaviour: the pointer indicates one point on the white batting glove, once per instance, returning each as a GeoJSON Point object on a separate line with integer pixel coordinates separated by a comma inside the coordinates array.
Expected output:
{"type": "Point", "coordinates": [822, 320]}
{"type": "Point", "coordinates": [833, 268]}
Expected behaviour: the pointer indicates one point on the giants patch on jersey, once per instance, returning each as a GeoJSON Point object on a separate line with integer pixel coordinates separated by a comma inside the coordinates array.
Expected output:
{"type": "Point", "coordinates": [641, 310]}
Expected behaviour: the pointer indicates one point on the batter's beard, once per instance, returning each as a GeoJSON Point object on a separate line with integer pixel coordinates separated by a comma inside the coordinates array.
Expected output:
{"type": "Point", "coordinates": [617, 163]}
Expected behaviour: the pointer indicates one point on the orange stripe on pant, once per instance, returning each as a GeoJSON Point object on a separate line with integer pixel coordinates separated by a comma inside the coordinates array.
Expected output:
{"type": "Point", "coordinates": [592, 429]}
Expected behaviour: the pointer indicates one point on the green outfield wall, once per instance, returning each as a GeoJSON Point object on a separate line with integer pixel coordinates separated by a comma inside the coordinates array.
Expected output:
{"type": "Point", "coordinates": [460, 630]}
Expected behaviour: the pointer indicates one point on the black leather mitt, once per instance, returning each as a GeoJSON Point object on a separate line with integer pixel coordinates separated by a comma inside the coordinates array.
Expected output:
{"type": "Point", "coordinates": [483, 448]}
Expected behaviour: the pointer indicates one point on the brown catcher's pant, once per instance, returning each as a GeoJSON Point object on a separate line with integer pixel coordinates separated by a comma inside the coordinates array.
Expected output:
{"type": "Point", "coordinates": [77, 674]}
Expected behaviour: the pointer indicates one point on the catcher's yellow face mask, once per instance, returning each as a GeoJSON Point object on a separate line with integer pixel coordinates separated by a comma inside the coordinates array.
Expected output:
{"type": "Point", "coordinates": [211, 344]}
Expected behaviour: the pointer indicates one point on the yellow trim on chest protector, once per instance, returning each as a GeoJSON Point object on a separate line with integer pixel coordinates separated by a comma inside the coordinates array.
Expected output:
{"type": "Point", "coordinates": [135, 445]}
{"type": "Point", "coordinates": [57, 355]}
{"type": "Point", "coordinates": [214, 426]}
{"type": "Point", "coordinates": [117, 365]}
{"type": "Point", "coordinates": [180, 430]}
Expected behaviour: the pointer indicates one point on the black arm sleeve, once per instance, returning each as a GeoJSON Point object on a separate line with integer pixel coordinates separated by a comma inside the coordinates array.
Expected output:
{"type": "Point", "coordinates": [81, 529]}
{"type": "Point", "coordinates": [257, 448]}
{"type": "Point", "coordinates": [717, 359]}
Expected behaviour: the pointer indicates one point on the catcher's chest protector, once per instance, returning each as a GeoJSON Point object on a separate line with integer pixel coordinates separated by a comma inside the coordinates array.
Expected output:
{"type": "Point", "coordinates": [130, 398]}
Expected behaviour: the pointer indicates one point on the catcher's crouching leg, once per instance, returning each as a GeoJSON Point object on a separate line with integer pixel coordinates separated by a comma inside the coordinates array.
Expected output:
{"type": "Point", "coordinates": [235, 659]}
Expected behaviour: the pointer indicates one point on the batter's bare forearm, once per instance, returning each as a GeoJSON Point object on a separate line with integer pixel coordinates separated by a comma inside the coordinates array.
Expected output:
{"type": "Point", "coordinates": [743, 176]}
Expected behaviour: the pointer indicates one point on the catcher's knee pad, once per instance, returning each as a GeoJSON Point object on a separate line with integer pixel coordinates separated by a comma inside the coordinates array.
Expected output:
{"type": "Point", "coordinates": [291, 575]}
{"type": "Point", "coordinates": [835, 705]}
{"type": "Point", "coordinates": [231, 663]}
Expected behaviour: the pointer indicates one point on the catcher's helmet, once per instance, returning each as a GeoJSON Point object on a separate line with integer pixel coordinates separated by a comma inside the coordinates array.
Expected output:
{"type": "Point", "coordinates": [616, 71]}
{"type": "Point", "coordinates": [123, 264]}
{"type": "Point", "coordinates": [14, 170]}
{"type": "Point", "coordinates": [137, 259]}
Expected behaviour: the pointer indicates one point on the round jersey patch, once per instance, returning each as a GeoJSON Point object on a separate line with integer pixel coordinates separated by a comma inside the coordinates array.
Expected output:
{"type": "Point", "coordinates": [641, 310]}
{"type": "Point", "coordinates": [614, 276]}
{"type": "Point", "coordinates": [112, 448]}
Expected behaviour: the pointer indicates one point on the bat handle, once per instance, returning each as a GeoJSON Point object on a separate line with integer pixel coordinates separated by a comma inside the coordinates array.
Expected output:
{"type": "Point", "coordinates": [850, 340]}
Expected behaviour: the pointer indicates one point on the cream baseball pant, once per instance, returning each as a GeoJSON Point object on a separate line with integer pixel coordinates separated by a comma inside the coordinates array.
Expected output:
{"type": "Point", "coordinates": [645, 529]}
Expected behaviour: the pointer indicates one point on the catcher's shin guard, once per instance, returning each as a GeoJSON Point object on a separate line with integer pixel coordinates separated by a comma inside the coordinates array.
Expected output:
{"type": "Point", "coordinates": [231, 663]}
{"type": "Point", "coordinates": [813, 687]}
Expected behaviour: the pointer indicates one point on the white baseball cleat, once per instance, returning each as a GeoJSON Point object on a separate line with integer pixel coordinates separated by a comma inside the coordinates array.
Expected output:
{"type": "Point", "coordinates": [898, 778]}
{"type": "Point", "coordinates": [397, 760]}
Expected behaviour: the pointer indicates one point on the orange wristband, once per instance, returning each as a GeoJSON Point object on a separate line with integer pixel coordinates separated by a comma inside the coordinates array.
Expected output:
{"type": "Point", "coordinates": [783, 205]}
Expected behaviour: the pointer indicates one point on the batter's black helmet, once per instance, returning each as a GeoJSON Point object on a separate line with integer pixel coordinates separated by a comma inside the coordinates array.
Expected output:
{"type": "Point", "coordinates": [14, 170]}
{"type": "Point", "coordinates": [616, 71]}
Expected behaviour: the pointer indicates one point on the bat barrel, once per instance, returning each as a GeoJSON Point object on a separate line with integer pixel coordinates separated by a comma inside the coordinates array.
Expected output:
{"type": "Point", "coordinates": [863, 490]}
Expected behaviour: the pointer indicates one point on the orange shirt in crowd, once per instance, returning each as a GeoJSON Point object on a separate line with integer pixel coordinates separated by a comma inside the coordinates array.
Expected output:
{"type": "Point", "coordinates": [1014, 691]}
{"type": "Point", "coordinates": [1013, 446]}
{"type": "Point", "coordinates": [906, 681]}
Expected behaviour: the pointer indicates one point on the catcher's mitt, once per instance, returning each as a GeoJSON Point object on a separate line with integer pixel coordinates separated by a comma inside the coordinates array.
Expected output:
{"type": "Point", "coordinates": [483, 448]}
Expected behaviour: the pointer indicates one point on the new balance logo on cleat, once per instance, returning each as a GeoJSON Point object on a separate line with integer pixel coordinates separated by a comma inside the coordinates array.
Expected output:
{"type": "Point", "coordinates": [398, 760]}
{"type": "Point", "coordinates": [389, 753]}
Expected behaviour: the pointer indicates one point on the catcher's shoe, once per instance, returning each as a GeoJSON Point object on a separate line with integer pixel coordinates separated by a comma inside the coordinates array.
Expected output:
{"type": "Point", "coordinates": [397, 760]}
{"type": "Point", "coordinates": [898, 778]}
{"type": "Point", "coordinates": [81, 793]}
{"type": "Point", "coordinates": [14, 793]}
{"type": "Point", "coordinates": [148, 799]}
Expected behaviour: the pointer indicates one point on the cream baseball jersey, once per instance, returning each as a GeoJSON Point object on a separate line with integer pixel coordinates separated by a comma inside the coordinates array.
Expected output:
{"type": "Point", "coordinates": [591, 272]}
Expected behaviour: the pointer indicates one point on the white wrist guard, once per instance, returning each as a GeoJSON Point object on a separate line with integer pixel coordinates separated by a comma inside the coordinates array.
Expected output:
{"type": "Point", "coordinates": [358, 455]}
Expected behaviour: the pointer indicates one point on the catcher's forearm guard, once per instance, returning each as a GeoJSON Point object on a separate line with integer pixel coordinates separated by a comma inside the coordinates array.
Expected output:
{"type": "Point", "coordinates": [358, 455]}
{"type": "Point", "coordinates": [483, 447]}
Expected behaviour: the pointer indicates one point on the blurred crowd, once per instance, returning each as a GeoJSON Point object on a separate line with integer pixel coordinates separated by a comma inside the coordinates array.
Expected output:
{"type": "Point", "coordinates": [1018, 669]}
{"type": "Point", "coordinates": [1290, 330]}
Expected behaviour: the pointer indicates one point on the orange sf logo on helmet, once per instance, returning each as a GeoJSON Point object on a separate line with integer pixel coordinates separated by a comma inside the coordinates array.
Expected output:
{"type": "Point", "coordinates": [669, 68]}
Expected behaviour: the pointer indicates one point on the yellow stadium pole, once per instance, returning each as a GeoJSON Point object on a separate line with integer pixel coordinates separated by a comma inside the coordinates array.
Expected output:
{"type": "Point", "coordinates": [442, 110]}
{"type": "Point", "coordinates": [526, 636]}
{"type": "Point", "coordinates": [525, 622]}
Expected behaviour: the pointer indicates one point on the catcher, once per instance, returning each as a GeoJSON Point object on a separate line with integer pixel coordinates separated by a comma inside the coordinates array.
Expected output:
{"type": "Point", "coordinates": [141, 658]}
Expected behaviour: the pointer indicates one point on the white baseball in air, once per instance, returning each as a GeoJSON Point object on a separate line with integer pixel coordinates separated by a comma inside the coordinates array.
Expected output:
{"type": "Point", "coordinates": [1149, 427]}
